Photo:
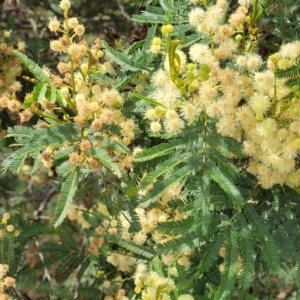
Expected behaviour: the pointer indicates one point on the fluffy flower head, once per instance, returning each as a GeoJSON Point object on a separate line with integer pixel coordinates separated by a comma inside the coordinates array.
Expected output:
{"type": "Point", "coordinates": [259, 103]}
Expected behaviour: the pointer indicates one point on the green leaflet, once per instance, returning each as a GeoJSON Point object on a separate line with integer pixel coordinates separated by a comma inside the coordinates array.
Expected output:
{"type": "Point", "coordinates": [167, 5]}
{"type": "Point", "coordinates": [103, 78]}
{"type": "Point", "coordinates": [38, 94]}
{"type": "Point", "coordinates": [65, 168]}
{"type": "Point", "coordinates": [122, 81]}
{"type": "Point", "coordinates": [31, 230]}
{"type": "Point", "coordinates": [20, 133]}
{"type": "Point", "coordinates": [110, 144]}
{"type": "Point", "coordinates": [62, 98]}
{"type": "Point", "coordinates": [51, 94]}
{"type": "Point", "coordinates": [260, 230]}
{"type": "Point", "coordinates": [67, 194]}
{"type": "Point", "coordinates": [158, 266]}
{"type": "Point", "coordinates": [7, 253]}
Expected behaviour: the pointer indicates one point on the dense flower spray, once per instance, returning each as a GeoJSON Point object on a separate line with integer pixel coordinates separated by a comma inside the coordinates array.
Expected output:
{"type": "Point", "coordinates": [83, 99]}
{"type": "Point", "coordinates": [10, 69]}
{"type": "Point", "coordinates": [246, 98]}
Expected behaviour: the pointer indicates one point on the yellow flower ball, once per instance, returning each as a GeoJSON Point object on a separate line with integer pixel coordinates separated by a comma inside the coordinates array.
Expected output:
{"type": "Point", "coordinates": [10, 228]}
{"type": "Point", "coordinates": [6, 216]}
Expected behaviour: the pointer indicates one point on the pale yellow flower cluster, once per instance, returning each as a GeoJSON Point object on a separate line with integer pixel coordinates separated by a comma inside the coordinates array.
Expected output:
{"type": "Point", "coordinates": [75, 213]}
{"type": "Point", "coordinates": [122, 262]}
{"type": "Point", "coordinates": [151, 286]}
{"type": "Point", "coordinates": [88, 103]}
{"type": "Point", "coordinates": [248, 101]}
{"type": "Point", "coordinates": [10, 69]}
{"type": "Point", "coordinates": [177, 110]}
{"type": "Point", "coordinates": [149, 218]}
{"type": "Point", "coordinates": [253, 106]}
{"type": "Point", "coordinates": [6, 282]}
{"type": "Point", "coordinates": [113, 290]}
{"type": "Point", "coordinates": [6, 228]}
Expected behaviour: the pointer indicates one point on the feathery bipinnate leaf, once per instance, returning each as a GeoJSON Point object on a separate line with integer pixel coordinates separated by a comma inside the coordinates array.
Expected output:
{"type": "Point", "coordinates": [163, 168]}
{"type": "Point", "coordinates": [298, 269]}
{"type": "Point", "coordinates": [46, 287]}
{"type": "Point", "coordinates": [122, 59]}
{"type": "Point", "coordinates": [37, 140]}
{"type": "Point", "coordinates": [83, 267]}
{"type": "Point", "coordinates": [21, 134]}
{"type": "Point", "coordinates": [226, 183]}
{"type": "Point", "coordinates": [260, 231]}
{"type": "Point", "coordinates": [247, 253]}
{"type": "Point", "coordinates": [211, 253]}
{"type": "Point", "coordinates": [164, 148]}
{"type": "Point", "coordinates": [142, 251]}
{"type": "Point", "coordinates": [225, 145]}
{"type": "Point", "coordinates": [64, 169]}
{"type": "Point", "coordinates": [147, 44]}
{"type": "Point", "coordinates": [155, 14]}
{"type": "Point", "coordinates": [151, 17]}
{"type": "Point", "coordinates": [68, 265]}
{"type": "Point", "coordinates": [36, 71]}
{"type": "Point", "coordinates": [179, 245]}
{"type": "Point", "coordinates": [292, 72]}
{"type": "Point", "coordinates": [167, 5]}
{"type": "Point", "coordinates": [177, 176]}
{"type": "Point", "coordinates": [175, 228]}
{"type": "Point", "coordinates": [105, 159]}
{"type": "Point", "coordinates": [110, 144]}
{"type": "Point", "coordinates": [32, 230]}
{"type": "Point", "coordinates": [230, 272]}
{"type": "Point", "coordinates": [201, 204]}
{"type": "Point", "coordinates": [68, 190]}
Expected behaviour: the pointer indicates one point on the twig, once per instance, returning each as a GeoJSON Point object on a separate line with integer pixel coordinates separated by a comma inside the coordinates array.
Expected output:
{"type": "Point", "coordinates": [123, 12]}
{"type": "Point", "coordinates": [288, 292]}
{"type": "Point", "coordinates": [41, 255]}
{"type": "Point", "coordinates": [38, 212]}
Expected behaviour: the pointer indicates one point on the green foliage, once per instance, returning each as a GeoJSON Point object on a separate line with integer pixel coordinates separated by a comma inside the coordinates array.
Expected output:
{"type": "Point", "coordinates": [36, 71]}
{"type": "Point", "coordinates": [122, 59]}
{"type": "Point", "coordinates": [34, 142]}
{"type": "Point", "coordinates": [230, 265]}
{"type": "Point", "coordinates": [153, 208]}
{"type": "Point", "coordinates": [67, 194]}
